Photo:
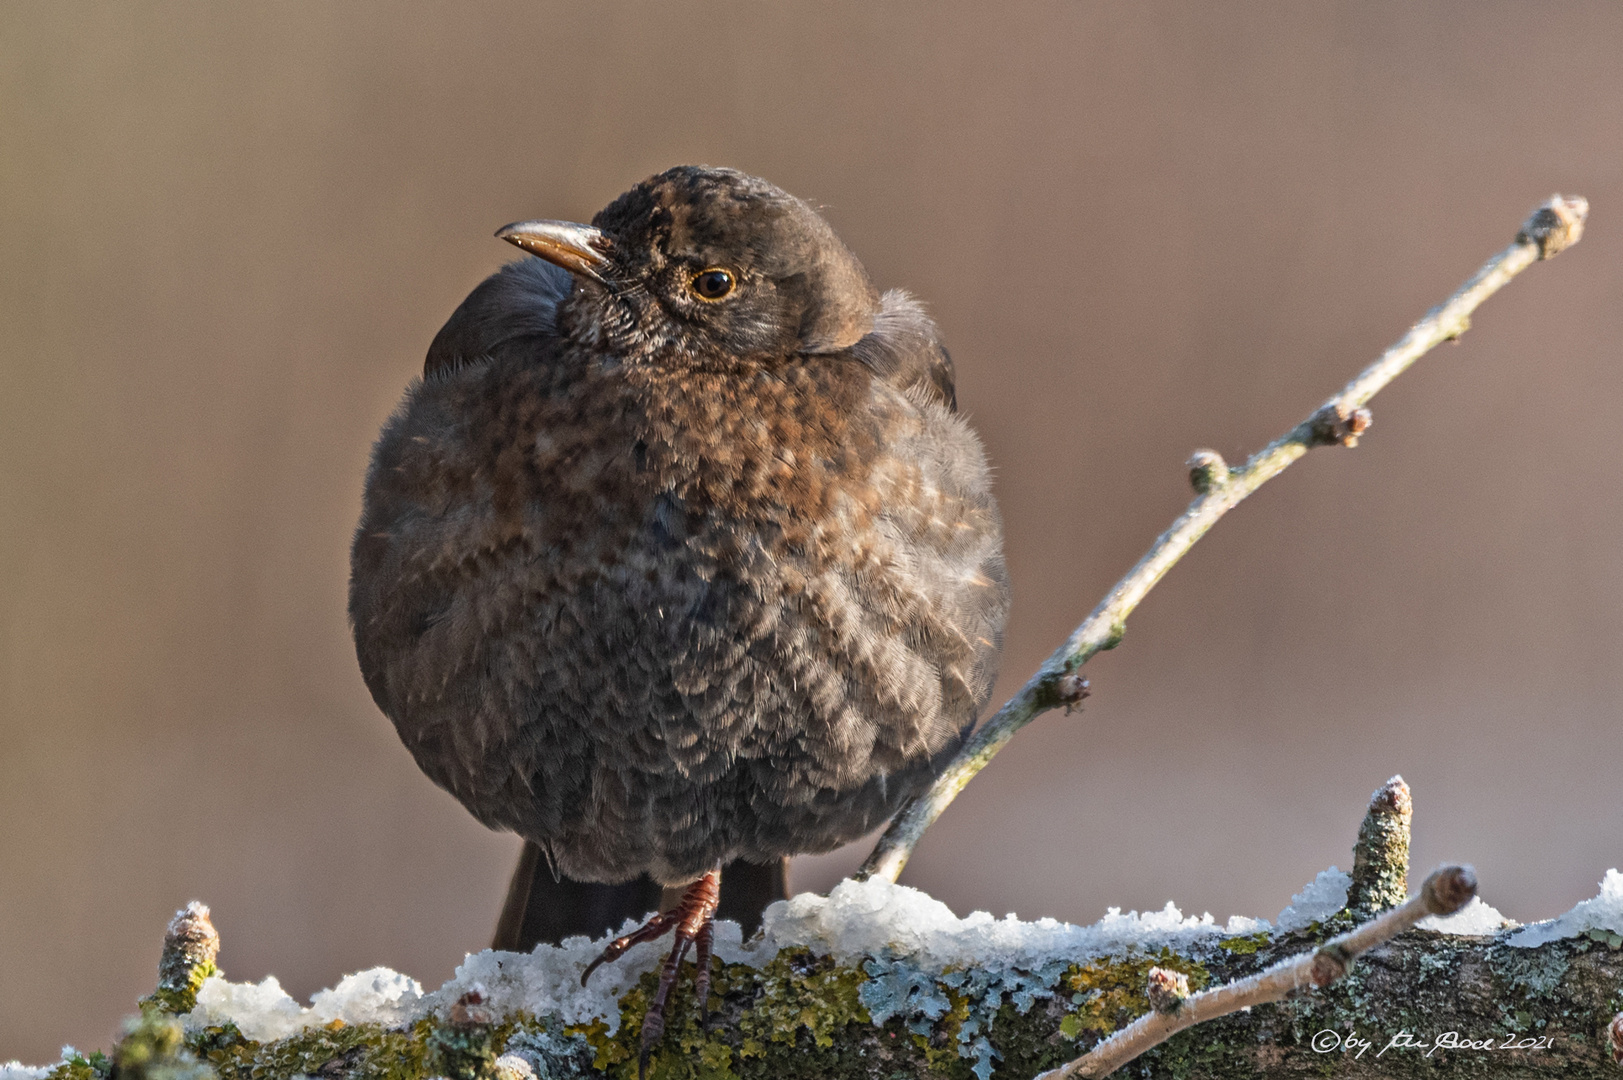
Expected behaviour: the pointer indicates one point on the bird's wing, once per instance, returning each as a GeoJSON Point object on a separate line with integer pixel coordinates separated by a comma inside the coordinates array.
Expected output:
{"type": "Point", "coordinates": [514, 306]}
{"type": "Point", "coordinates": [904, 348]}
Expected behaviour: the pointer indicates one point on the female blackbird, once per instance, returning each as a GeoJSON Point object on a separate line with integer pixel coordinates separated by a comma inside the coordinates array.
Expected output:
{"type": "Point", "coordinates": [679, 553]}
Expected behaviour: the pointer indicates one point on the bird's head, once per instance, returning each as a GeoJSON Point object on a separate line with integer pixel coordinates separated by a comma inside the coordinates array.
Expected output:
{"type": "Point", "coordinates": [711, 260]}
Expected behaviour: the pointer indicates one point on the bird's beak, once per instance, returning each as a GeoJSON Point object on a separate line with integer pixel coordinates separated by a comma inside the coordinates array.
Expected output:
{"type": "Point", "coordinates": [580, 249]}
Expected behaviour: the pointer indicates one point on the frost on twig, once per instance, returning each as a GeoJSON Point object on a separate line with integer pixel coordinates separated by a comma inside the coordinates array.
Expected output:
{"type": "Point", "coordinates": [1341, 420]}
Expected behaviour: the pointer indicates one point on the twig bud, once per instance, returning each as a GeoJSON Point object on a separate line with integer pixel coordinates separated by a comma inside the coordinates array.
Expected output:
{"type": "Point", "coordinates": [1330, 962]}
{"type": "Point", "coordinates": [470, 1009]}
{"type": "Point", "coordinates": [1614, 1037]}
{"type": "Point", "coordinates": [1166, 989]}
{"type": "Point", "coordinates": [1338, 424]}
{"type": "Point", "coordinates": [1448, 889]}
{"type": "Point", "coordinates": [190, 947]}
{"type": "Point", "coordinates": [1071, 690]}
{"type": "Point", "coordinates": [1380, 873]}
{"type": "Point", "coordinates": [1208, 471]}
{"type": "Point", "coordinates": [1556, 225]}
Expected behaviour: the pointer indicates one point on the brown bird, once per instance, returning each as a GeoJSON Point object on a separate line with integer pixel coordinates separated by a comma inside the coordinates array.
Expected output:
{"type": "Point", "coordinates": [679, 553]}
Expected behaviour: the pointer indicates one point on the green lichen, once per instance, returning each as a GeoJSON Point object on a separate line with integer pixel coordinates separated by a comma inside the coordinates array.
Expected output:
{"type": "Point", "coordinates": [1528, 973]}
{"type": "Point", "coordinates": [358, 1051]}
{"type": "Point", "coordinates": [798, 992]}
{"type": "Point", "coordinates": [797, 1002]}
{"type": "Point", "coordinates": [429, 1047]}
{"type": "Point", "coordinates": [461, 1051]}
{"type": "Point", "coordinates": [1109, 994]}
{"type": "Point", "coordinates": [940, 1045]}
{"type": "Point", "coordinates": [181, 999]}
{"type": "Point", "coordinates": [77, 1066]}
{"type": "Point", "coordinates": [1245, 945]}
{"type": "Point", "coordinates": [154, 1048]}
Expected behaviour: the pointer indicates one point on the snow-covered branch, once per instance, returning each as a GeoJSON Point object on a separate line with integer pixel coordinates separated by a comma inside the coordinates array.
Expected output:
{"type": "Point", "coordinates": [878, 980]}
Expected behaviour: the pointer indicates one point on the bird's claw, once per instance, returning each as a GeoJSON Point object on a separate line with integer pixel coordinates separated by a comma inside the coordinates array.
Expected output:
{"type": "Point", "coordinates": [694, 920]}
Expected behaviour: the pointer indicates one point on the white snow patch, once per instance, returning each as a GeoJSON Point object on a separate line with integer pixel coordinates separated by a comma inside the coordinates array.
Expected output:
{"type": "Point", "coordinates": [1476, 917]}
{"type": "Point", "coordinates": [375, 996]}
{"type": "Point", "coordinates": [547, 981]}
{"type": "Point", "coordinates": [262, 1012]}
{"type": "Point", "coordinates": [1319, 899]}
{"type": "Point", "coordinates": [857, 919]}
{"type": "Point", "coordinates": [1603, 912]}
{"type": "Point", "coordinates": [16, 1070]}
{"type": "Point", "coordinates": [866, 918]}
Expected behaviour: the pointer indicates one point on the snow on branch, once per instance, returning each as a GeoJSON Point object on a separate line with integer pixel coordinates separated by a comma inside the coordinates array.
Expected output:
{"type": "Point", "coordinates": [1553, 227]}
{"type": "Point", "coordinates": [877, 981]}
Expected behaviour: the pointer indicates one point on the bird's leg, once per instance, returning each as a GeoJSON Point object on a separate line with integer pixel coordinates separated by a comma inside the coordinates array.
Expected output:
{"type": "Point", "coordinates": [694, 920]}
{"type": "Point", "coordinates": [701, 964]}
{"type": "Point", "coordinates": [653, 1021]}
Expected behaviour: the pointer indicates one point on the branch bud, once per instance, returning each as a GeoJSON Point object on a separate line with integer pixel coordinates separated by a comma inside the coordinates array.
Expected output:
{"type": "Point", "coordinates": [1166, 989]}
{"type": "Point", "coordinates": [1071, 690]}
{"type": "Point", "coordinates": [1380, 873]}
{"type": "Point", "coordinates": [470, 1009]}
{"type": "Point", "coordinates": [1614, 1038]}
{"type": "Point", "coordinates": [1208, 472]}
{"type": "Point", "coordinates": [1330, 963]}
{"type": "Point", "coordinates": [190, 947]}
{"type": "Point", "coordinates": [1448, 889]}
{"type": "Point", "coordinates": [1556, 225]}
{"type": "Point", "coordinates": [1338, 424]}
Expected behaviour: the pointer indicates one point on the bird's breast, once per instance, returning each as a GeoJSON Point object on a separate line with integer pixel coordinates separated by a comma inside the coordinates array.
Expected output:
{"type": "Point", "coordinates": [783, 576]}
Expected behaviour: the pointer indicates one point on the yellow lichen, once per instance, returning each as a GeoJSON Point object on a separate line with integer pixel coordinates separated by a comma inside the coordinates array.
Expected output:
{"type": "Point", "coordinates": [1111, 993]}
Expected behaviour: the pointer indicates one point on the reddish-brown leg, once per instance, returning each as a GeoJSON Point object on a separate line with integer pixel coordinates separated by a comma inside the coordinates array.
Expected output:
{"type": "Point", "coordinates": [701, 968]}
{"type": "Point", "coordinates": [695, 922]}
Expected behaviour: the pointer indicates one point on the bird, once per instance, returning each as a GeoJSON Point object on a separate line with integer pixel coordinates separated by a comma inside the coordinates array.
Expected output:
{"type": "Point", "coordinates": [679, 554]}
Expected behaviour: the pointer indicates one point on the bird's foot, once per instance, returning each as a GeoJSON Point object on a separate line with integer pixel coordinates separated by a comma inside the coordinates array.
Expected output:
{"type": "Point", "coordinates": [694, 920]}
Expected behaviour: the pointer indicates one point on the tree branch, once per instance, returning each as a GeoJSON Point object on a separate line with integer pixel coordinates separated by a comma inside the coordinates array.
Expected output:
{"type": "Point", "coordinates": [1556, 225]}
{"type": "Point", "coordinates": [1448, 889]}
{"type": "Point", "coordinates": [921, 998]}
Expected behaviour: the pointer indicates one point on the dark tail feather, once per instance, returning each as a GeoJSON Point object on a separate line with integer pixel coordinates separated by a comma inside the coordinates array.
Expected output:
{"type": "Point", "coordinates": [747, 888]}
{"type": "Point", "coordinates": [540, 909]}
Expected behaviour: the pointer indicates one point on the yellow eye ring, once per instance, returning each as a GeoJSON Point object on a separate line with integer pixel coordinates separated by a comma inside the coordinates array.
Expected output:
{"type": "Point", "coordinates": [713, 284]}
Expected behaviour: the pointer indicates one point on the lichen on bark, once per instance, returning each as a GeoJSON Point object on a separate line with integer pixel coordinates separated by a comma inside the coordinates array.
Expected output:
{"type": "Point", "coordinates": [802, 1015]}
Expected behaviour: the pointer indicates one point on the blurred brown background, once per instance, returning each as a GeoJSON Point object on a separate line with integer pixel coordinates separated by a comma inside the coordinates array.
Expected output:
{"type": "Point", "coordinates": [229, 232]}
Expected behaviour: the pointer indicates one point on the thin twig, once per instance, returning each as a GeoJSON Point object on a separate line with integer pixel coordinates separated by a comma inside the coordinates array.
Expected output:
{"type": "Point", "coordinates": [1448, 889]}
{"type": "Point", "coordinates": [1556, 225]}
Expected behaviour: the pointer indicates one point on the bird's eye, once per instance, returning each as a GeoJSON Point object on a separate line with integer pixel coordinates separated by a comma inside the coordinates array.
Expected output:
{"type": "Point", "coordinates": [712, 284]}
